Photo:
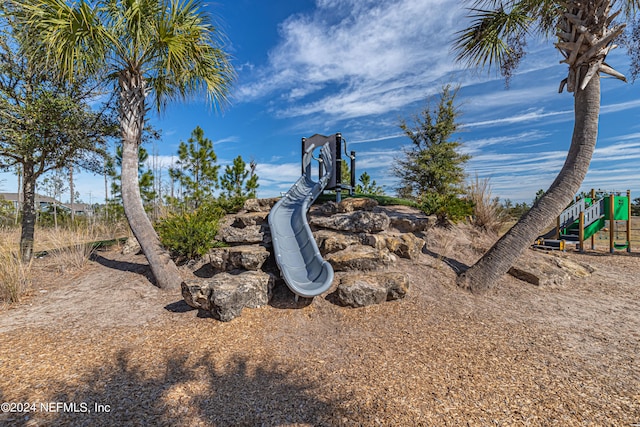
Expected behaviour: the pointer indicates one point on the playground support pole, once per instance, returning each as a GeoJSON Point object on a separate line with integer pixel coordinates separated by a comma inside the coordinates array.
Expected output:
{"type": "Point", "coordinates": [629, 221]}
{"type": "Point", "coordinates": [558, 228]}
{"type": "Point", "coordinates": [581, 231]}
{"type": "Point", "coordinates": [353, 172]}
{"type": "Point", "coordinates": [302, 158]}
{"type": "Point", "coordinates": [612, 222]}
{"type": "Point", "coordinates": [593, 236]}
{"type": "Point", "coordinates": [338, 168]}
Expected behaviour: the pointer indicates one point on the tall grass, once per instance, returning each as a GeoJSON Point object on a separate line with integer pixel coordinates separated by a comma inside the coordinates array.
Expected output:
{"type": "Point", "coordinates": [65, 249]}
{"type": "Point", "coordinates": [71, 249]}
{"type": "Point", "coordinates": [487, 211]}
{"type": "Point", "coordinates": [14, 274]}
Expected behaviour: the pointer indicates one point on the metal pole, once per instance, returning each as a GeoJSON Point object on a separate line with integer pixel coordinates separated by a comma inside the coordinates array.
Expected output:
{"type": "Point", "coordinates": [629, 221]}
{"type": "Point", "coordinates": [353, 172]}
{"type": "Point", "coordinates": [612, 221]}
{"type": "Point", "coordinates": [593, 236]}
{"type": "Point", "coordinates": [581, 231]}
{"type": "Point", "coordinates": [302, 149]}
{"type": "Point", "coordinates": [338, 167]}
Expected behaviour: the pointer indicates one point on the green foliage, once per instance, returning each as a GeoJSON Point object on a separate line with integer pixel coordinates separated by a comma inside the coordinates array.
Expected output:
{"type": "Point", "coordinates": [197, 171]}
{"type": "Point", "coordinates": [366, 186]}
{"type": "Point", "coordinates": [7, 213]}
{"type": "Point", "coordinates": [515, 211]}
{"type": "Point", "coordinates": [238, 181]}
{"type": "Point", "coordinates": [345, 172]}
{"type": "Point", "coordinates": [446, 206]}
{"type": "Point", "coordinates": [191, 234]}
{"type": "Point", "coordinates": [432, 170]}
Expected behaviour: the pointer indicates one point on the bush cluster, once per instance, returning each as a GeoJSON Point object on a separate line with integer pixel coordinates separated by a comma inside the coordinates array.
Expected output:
{"type": "Point", "coordinates": [191, 234]}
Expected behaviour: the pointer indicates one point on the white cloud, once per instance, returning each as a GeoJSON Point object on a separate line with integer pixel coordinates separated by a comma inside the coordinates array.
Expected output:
{"type": "Point", "coordinates": [475, 146]}
{"type": "Point", "coordinates": [536, 114]}
{"type": "Point", "coordinates": [377, 57]}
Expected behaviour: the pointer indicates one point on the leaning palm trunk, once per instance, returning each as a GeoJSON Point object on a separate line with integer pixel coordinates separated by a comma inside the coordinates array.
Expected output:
{"type": "Point", "coordinates": [499, 259]}
{"type": "Point", "coordinates": [585, 39]}
{"type": "Point", "coordinates": [132, 109]}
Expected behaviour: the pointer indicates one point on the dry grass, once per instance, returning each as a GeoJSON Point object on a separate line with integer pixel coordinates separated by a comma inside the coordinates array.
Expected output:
{"type": "Point", "coordinates": [487, 213]}
{"type": "Point", "coordinates": [14, 275]}
{"type": "Point", "coordinates": [67, 249]}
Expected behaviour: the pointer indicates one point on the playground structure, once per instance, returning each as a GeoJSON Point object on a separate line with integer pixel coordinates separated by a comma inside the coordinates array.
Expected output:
{"type": "Point", "coordinates": [588, 216]}
{"type": "Point", "coordinates": [336, 145]}
{"type": "Point", "coordinates": [304, 270]}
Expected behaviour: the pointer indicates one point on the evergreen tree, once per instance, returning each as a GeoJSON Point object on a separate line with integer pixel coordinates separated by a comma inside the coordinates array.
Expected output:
{"type": "Point", "coordinates": [366, 186]}
{"type": "Point", "coordinates": [238, 181]}
{"type": "Point", "coordinates": [433, 163]}
{"type": "Point", "coordinates": [197, 171]}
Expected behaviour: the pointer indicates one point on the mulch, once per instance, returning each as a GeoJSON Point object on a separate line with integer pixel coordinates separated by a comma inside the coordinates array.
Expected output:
{"type": "Point", "coordinates": [519, 355]}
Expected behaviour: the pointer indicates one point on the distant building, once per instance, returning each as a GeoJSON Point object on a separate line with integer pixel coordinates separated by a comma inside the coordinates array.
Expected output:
{"type": "Point", "coordinates": [45, 202]}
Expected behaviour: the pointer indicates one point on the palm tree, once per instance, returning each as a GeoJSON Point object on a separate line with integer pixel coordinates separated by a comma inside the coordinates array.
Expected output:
{"type": "Point", "coordinates": [168, 49]}
{"type": "Point", "coordinates": [585, 32]}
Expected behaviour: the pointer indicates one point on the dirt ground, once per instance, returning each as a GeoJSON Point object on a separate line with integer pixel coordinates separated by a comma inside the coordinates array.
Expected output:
{"type": "Point", "coordinates": [103, 346]}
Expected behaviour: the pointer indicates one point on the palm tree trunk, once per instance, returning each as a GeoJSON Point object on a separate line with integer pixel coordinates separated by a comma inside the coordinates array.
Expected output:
{"type": "Point", "coordinates": [132, 111]}
{"type": "Point", "coordinates": [28, 212]}
{"type": "Point", "coordinates": [485, 273]}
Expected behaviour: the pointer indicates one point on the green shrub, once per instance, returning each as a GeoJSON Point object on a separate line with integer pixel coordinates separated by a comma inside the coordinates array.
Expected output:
{"type": "Point", "coordinates": [231, 204]}
{"type": "Point", "coordinates": [446, 207]}
{"type": "Point", "coordinates": [191, 234]}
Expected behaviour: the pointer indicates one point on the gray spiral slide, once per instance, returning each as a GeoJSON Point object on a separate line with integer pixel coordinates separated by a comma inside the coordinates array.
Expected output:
{"type": "Point", "coordinates": [296, 251]}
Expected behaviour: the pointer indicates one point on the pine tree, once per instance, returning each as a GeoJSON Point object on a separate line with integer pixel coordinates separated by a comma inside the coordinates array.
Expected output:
{"type": "Point", "coordinates": [367, 186]}
{"type": "Point", "coordinates": [433, 164]}
{"type": "Point", "coordinates": [197, 171]}
{"type": "Point", "coordinates": [238, 181]}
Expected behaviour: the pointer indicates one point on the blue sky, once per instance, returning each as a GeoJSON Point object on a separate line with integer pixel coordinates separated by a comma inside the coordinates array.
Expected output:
{"type": "Point", "coordinates": [359, 67]}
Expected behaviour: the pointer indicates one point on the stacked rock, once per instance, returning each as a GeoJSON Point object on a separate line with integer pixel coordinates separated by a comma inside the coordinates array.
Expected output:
{"type": "Point", "coordinates": [361, 240]}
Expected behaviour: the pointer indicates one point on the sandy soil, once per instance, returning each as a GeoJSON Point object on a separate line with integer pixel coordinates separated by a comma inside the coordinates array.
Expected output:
{"type": "Point", "coordinates": [102, 346]}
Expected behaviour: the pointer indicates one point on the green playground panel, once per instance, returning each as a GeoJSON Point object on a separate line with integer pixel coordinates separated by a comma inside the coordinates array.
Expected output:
{"type": "Point", "coordinates": [620, 208]}
{"type": "Point", "coordinates": [593, 228]}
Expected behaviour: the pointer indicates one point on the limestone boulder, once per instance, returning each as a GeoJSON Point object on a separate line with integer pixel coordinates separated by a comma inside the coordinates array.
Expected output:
{"type": "Point", "coordinates": [249, 219]}
{"type": "Point", "coordinates": [411, 224]}
{"type": "Point", "coordinates": [226, 295]}
{"type": "Point", "coordinates": [396, 284]}
{"type": "Point", "coordinates": [248, 257]}
{"type": "Point", "coordinates": [131, 246]}
{"type": "Point", "coordinates": [543, 269]}
{"type": "Point", "coordinates": [327, 208]}
{"type": "Point", "coordinates": [330, 241]}
{"type": "Point", "coordinates": [404, 245]}
{"type": "Point", "coordinates": [260, 205]}
{"type": "Point", "coordinates": [245, 236]}
{"type": "Point", "coordinates": [362, 258]}
{"type": "Point", "coordinates": [360, 290]}
{"type": "Point", "coordinates": [354, 222]}
{"type": "Point", "coordinates": [356, 204]}
{"type": "Point", "coordinates": [219, 258]}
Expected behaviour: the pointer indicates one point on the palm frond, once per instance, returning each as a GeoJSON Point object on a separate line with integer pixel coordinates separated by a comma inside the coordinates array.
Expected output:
{"type": "Point", "coordinates": [69, 37]}
{"type": "Point", "coordinates": [484, 43]}
{"type": "Point", "coordinates": [189, 57]}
